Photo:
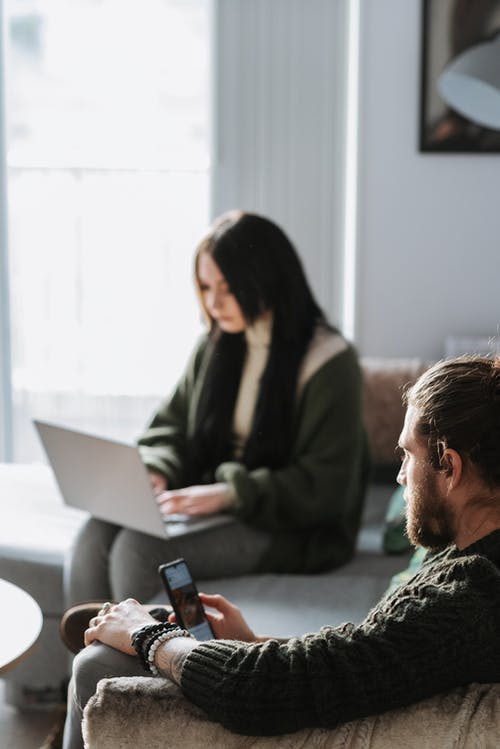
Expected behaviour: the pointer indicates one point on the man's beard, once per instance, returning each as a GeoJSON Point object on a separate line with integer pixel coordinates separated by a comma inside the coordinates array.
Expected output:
{"type": "Point", "coordinates": [429, 521]}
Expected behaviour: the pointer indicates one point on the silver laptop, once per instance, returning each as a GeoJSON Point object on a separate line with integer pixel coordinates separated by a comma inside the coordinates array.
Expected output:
{"type": "Point", "coordinates": [110, 481]}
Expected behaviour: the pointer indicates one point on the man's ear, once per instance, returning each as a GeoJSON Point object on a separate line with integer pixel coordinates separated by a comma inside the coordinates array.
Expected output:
{"type": "Point", "coordinates": [452, 465]}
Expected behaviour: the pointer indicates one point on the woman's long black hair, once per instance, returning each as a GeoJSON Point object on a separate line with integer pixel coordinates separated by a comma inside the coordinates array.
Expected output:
{"type": "Point", "coordinates": [263, 271]}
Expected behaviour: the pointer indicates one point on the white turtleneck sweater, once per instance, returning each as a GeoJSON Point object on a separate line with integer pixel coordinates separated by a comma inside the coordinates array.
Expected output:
{"type": "Point", "coordinates": [323, 346]}
{"type": "Point", "coordinates": [258, 337]}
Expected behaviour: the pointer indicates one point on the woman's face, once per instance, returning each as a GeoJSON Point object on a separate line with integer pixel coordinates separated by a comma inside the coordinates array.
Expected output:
{"type": "Point", "coordinates": [219, 302]}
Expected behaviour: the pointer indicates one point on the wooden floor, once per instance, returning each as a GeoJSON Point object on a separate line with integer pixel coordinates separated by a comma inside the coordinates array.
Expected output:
{"type": "Point", "coordinates": [22, 730]}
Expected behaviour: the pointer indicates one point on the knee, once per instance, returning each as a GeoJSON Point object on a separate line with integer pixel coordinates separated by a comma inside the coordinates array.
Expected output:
{"type": "Point", "coordinates": [97, 532]}
{"type": "Point", "coordinates": [133, 565]}
{"type": "Point", "coordinates": [134, 553]}
{"type": "Point", "coordinates": [129, 543]}
{"type": "Point", "coordinates": [89, 667]}
{"type": "Point", "coordinates": [93, 541]}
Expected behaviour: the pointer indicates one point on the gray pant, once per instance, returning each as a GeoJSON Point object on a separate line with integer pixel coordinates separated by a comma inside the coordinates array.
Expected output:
{"type": "Point", "coordinates": [109, 562]}
{"type": "Point", "coordinates": [90, 665]}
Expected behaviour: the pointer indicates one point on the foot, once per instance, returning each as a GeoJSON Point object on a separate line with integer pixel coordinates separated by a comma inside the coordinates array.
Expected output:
{"type": "Point", "coordinates": [76, 620]}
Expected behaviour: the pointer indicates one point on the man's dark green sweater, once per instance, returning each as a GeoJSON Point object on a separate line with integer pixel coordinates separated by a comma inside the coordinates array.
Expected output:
{"type": "Point", "coordinates": [438, 631]}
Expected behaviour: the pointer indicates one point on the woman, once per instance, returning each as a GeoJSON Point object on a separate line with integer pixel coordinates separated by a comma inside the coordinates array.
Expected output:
{"type": "Point", "coordinates": [265, 425]}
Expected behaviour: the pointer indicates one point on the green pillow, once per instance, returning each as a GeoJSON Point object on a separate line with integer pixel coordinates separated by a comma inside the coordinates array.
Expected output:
{"type": "Point", "coordinates": [403, 576]}
{"type": "Point", "coordinates": [395, 539]}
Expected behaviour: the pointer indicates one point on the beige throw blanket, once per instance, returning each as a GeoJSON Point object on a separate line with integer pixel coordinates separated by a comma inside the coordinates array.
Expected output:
{"type": "Point", "coordinates": [147, 713]}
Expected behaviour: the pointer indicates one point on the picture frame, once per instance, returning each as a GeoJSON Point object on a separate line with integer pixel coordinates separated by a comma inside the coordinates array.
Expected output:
{"type": "Point", "coordinates": [448, 28]}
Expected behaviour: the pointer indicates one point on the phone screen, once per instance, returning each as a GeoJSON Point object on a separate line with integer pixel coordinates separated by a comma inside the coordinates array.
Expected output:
{"type": "Point", "coordinates": [184, 598]}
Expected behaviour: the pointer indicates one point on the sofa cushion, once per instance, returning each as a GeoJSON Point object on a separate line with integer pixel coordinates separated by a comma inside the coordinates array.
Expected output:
{"type": "Point", "coordinates": [384, 381]}
{"type": "Point", "coordinates": [405, 574]}
{"type": "Point", "coordinates": [130, 712]}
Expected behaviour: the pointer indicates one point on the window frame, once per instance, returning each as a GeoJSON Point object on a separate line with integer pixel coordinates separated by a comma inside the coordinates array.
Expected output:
{"type": "Point", "coordinates": [6, 425]}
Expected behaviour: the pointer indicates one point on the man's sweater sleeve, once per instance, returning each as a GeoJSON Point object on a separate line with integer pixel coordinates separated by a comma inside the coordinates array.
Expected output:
{"type": "Point", "coordinates": [422, 640]}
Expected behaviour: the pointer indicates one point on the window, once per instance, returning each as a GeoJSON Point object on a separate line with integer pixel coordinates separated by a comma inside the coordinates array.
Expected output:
{"type": "Point", "coordinates": [107, 107]}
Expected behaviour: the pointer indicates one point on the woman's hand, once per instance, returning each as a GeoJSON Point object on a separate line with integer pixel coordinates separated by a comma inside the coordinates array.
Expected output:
{"type": "Point", "coordinates": [158, 482]}
{"type": "Point", "coordinates": [226, 620]}
{"type": "Point", "coordinates": [195, 500]}
{"type": "Point", "coordinates": [116, 626]}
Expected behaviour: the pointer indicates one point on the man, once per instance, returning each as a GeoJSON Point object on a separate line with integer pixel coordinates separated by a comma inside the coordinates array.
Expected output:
{"type": "Point", "coordinates": [436, 632]}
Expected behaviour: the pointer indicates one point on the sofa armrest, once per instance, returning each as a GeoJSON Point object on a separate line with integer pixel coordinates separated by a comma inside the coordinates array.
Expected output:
{"type": "Point", "coordinates": [137, 712]}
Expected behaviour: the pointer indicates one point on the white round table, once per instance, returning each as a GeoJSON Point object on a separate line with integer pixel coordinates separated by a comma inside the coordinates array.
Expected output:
{"type": "Point", "coordinates": [20, 624]}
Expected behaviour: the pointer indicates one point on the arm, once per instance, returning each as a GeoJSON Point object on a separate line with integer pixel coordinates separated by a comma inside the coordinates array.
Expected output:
{"type": "Point", "coordinates": [421, 641]}
{"type": "Point", "coordinates": [163, 444]}
{"type": "Point", "coordinates": [322, 478]}
{"type": "Point", "coordinates": [116, 626]}
{"type": "Point", "coordinates": [227, 623]}
{"type": "Point", "coordinates": [328, 465]}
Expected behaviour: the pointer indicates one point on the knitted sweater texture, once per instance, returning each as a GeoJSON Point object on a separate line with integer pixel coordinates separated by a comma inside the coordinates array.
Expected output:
{"type": "Point", "coordinates": [436, 632]}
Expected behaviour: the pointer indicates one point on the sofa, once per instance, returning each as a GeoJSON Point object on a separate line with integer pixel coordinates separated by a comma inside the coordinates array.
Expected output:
{"type": "Point", "coordinates": [38, 530]}
{"type": "Point", "coordinates": [161, 718]}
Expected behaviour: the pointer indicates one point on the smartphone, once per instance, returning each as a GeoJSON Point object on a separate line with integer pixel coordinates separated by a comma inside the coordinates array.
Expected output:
{"type": "Point", "coordinates": [183, 596]}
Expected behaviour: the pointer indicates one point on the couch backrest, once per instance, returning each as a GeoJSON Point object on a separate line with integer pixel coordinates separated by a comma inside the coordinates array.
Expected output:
{"type": "Point", "coordinates": [384, 381]}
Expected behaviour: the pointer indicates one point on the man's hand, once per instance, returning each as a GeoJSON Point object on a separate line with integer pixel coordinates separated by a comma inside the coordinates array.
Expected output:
{"type": "Point", "coordinates": [226, 619]}
{"type": "Point", "coordinates": [116, 626]}
{"type": "Point", "coordinates": [195, 500]}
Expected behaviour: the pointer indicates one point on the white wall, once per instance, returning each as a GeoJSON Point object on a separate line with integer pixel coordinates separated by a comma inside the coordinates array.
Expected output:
{"type": "Point", "coordinates": [279, 124]}
{"type": "Point", "coordinates": [429, 224]}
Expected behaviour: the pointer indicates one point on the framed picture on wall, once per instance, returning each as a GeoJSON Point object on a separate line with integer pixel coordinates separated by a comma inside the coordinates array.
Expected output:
{"type": "Point", "coordinates": [449, 27]}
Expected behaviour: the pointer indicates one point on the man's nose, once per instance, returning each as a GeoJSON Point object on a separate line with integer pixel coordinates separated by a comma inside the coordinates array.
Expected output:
{"type": "Point", "coordinates": [401, 477]}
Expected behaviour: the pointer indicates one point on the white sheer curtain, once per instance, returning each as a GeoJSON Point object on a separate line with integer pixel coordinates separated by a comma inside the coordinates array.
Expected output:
{"type": "Point", "coordinates": [108, 186]}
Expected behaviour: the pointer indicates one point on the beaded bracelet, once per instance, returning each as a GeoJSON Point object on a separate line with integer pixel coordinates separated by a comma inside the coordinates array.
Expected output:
{"type": "Point", "coordinates": [158, 640]}
{"type": "Point", "coordinates": [145, 638]}
{"type": "Point", "coordinates": [142, 636]}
